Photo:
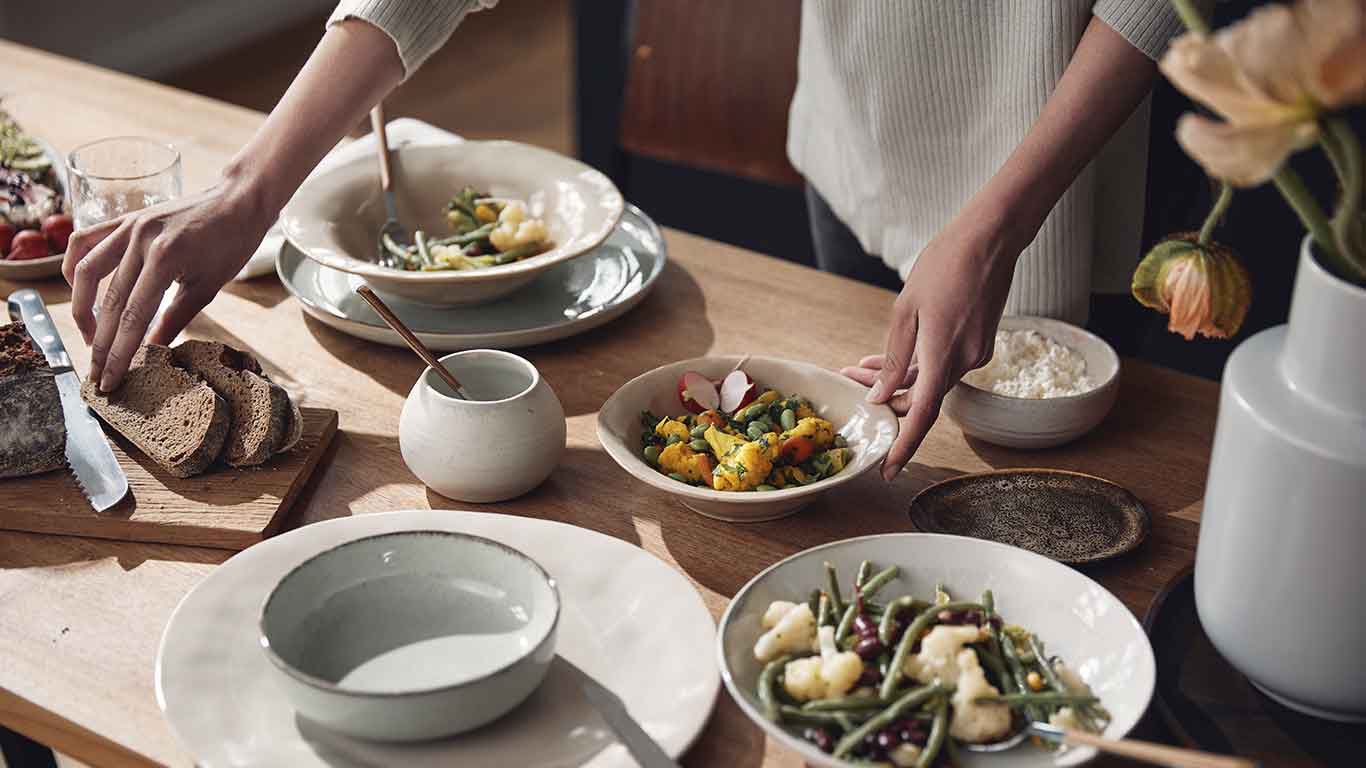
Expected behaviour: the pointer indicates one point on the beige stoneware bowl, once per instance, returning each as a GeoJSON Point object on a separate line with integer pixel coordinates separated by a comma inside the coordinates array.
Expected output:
{"type": "Point", "coordinates": [1017, 422]}
{"type": "Point", "coordinates": [870, 430]}
{"type": "Point", "coordinates": [335, 217]}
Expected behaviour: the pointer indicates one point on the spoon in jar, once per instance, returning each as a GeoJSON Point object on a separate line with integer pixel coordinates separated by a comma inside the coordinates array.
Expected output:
{"type": "Point", "coordinates": [412, 340]}
{"type": "Point", "coordinates": [1156, 754]}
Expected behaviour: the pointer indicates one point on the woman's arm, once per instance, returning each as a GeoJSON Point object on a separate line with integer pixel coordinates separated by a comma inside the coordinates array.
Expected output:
{"type": "Point", "coordinates": [945, 318]}
{"type": "Point", "coordinates": [203, 240]}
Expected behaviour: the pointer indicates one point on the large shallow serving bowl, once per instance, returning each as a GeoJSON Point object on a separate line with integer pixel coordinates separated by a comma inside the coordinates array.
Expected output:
{"type": "Point", "coordinates": [336, 215]}
{"type": "Point", "coordinates": [869, 429]}
{"type": "Point", "coordinates": [411, 635]}
{"type": "Point", "coordinates": [1017, 422]}
{"type": "Point", "coordinates": [1074, 616]}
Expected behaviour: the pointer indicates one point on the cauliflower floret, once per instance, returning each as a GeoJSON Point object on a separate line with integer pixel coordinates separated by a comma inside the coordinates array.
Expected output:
{"type": "Point", "coordinates": [815, 429]}
{"type": "Point", "coordinates": [1066, 717]}
{"type": "Point", "coordinates": [973, 721]}
{"type": "Point", "coordinates": [937, 659]}
{"type": "Point", "coordinates": [680, 459]}
{"type": "Point", "coordinates": [794, 632]}
{"type": "Point", "coordinates": [782, 477]}
{"type": "Point", "coordinates": [668, 426]}
{"type": "Point", "coordinates": [747, 465]}
{"type": "Point", "coordinates": [832, 674]}
{"type": "Point", "coordinates": [514, 228]}
{"type": "Point", "coordinates": [775, 613]}
{"type": "Point", "coordinates": [803, 410]}
{"type": "Point", "coordinates": [904, 755]}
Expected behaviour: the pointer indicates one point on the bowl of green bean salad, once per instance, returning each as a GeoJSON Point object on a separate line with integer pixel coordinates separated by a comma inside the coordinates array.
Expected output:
{"type": "Point", "coordinates": [483, 218]}
{"type": "Point", "coordinates": [916, 649]}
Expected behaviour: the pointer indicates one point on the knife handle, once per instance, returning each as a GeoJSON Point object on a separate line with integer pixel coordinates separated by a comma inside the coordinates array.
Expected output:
{"type": "Point", "coordinates": [38, 320]}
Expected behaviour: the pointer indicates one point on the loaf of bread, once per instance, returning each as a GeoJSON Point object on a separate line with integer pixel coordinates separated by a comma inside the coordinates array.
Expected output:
{"type": "Point", "coordinates": [260, 410]}
{"type": "Point", "coordinates": [169, 413]}
{"type": "Point", "coordinates": [32, 427]}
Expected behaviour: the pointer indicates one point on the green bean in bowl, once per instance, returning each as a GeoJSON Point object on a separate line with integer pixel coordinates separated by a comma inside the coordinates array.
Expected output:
{"type": "Point", "coordinates": [485, 232]}
{"type": "Point", "coordinates": [903, 680]}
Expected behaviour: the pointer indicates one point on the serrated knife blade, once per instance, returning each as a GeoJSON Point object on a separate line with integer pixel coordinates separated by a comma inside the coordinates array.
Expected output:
{"type": "Point", "coordinates": [98, 473]}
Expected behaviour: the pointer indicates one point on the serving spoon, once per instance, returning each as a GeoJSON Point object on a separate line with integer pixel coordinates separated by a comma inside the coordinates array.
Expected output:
{"type": "Point", "coordinates": [414, 343]}
{"type": "Point", "coordinates": [1156, 754]}
{"type": "Point", "coordinates": [391, 229]}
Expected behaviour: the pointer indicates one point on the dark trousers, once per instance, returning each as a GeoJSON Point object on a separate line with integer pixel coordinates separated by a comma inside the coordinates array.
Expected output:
{"type": "Point", "coordinates": [1117, 318]}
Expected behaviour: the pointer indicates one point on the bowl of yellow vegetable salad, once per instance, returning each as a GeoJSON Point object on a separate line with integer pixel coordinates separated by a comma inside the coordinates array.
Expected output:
{"type": "Point", "coordinates": [485, 218]}
{"type": "Point", "coordinates": [744, 439]}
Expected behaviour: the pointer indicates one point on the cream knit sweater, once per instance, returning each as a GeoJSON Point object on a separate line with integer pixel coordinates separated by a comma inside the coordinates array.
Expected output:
{"type": "Point", "coordinates": [904, 109]}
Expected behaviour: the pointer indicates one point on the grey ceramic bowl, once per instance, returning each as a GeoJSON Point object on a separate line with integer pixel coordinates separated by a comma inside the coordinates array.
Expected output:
{"type": "Point", "coordinates": [1017, 422]}
{"type": "Point", "coordinates": [411, 635]}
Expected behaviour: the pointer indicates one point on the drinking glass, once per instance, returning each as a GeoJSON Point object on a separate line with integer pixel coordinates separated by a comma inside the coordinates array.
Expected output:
{"type": "Point", "coordinates": [110, 177]}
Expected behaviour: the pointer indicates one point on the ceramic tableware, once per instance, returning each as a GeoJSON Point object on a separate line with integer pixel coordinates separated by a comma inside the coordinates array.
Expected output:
{"type": "Point", "coordinates": [410, 635]}
{"type": "Point", "coordinates": [1068, 516]}
{"type": "Point", "coordinates": [1017, 422]}
{"type": "Point", "coordinates": [1076, 617]}
{"type": "Point", "coordinates": [567, 299]}
{"type": "Point", "coordinates": [48, 266]}
{"type": "Point", "coordinates": [336, 215]}
{"type": "Point", "coordinates": [501, 441]}
{"type": "Point", "coordinates": [869, 429]}
{"type": "Point", "coordinates": [633, 623]}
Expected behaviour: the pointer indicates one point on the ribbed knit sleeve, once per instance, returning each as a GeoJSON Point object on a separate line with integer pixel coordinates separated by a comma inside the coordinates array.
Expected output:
{"type": "Point", "coordinates": [1148, 25]}
{"type": "Point", "coordinates": [418, 27]}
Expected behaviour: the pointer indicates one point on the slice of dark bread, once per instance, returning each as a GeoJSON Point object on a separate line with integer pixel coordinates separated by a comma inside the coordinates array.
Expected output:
{"type": "Point", "coordinates": [260, 408]}
{"type": "Point", "coordinates": [294, 429]}
{"type": "Point", "coordinates": [32, 427]}
{"type": "Point", "coordinates": [167, 412]}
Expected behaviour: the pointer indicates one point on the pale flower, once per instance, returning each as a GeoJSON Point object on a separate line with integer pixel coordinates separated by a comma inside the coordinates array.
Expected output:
{"type": "Point", "coordinates": [1269, 76]}
{"type": "Point", "coordinates": [1203, 288]}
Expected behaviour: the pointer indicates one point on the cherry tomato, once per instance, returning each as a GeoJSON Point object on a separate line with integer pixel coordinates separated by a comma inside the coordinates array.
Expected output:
{"type": "Point", "coordinates": [7, 232]}
{"type": "Point", "coordinates": [29, 244]}
{"type": "Point", "coordinates": [797, 449]}
{"type": "Point", "coordinates": [57, 229]}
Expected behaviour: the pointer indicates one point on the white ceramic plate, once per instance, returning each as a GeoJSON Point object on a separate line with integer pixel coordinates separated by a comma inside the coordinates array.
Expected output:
{"type": "Point", "coordinates": [37, 269]}
{"type": "Point", "coordinates": [568, 299]}
{"type": "Point", "coordinates": [869, 429]}
{"type": "Point", "coordinates": [336, 215]}
{"type": "Point", "coordinates": [1074, 616]}
{"type": "Point", "coordinates": [632, 622]}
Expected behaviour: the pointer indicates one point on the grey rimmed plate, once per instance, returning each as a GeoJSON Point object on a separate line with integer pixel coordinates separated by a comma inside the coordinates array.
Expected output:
{"type": "Point", "coordinates": [1068, 516]}
{"type": "Point", "coordinates": [570, 298]}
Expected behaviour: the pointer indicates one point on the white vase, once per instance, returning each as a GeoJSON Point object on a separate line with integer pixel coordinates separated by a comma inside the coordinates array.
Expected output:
{"type": "Point", "coordinates": [1280, 573]}
{"type": "Point", "coordinates": [502, 442]}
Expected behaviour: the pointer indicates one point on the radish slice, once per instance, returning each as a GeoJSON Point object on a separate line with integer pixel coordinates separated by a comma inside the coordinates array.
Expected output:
{"type": "Point", "coordinates": [697, 393]}
{"type": "Point", "coordinates": [737, 391]}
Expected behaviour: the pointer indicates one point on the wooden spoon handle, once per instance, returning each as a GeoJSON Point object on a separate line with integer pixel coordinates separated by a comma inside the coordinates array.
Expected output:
{"type": "Point", "coordinates": [411, 338]}
{"type": "Point", "coordinates": [1157, 754]}
{"type": "Point", "coordinates": [377, 125]}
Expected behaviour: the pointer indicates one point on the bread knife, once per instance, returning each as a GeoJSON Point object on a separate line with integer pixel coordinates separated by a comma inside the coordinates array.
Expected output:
{"type": "Point", "coordinates": [98, 473]}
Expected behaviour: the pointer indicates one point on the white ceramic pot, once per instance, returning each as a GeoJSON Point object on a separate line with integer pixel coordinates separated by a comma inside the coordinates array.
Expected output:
{"type": "Point", "coordinates": [1278, 575]}
{"type": "Point", "coordinates": [496, 446]}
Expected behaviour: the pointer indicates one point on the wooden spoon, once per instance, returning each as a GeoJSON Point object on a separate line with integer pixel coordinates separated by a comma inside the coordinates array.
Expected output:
{"type": "Point", "coordinates": [413, 341]}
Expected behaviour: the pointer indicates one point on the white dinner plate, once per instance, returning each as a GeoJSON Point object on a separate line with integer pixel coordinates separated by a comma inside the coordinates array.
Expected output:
{"type": "Point", "coordinates": [1074, 617]}
{"type": "Point", "coordinates": [629, 620]}
{"type": "Point", "coordinates": [568, 299]}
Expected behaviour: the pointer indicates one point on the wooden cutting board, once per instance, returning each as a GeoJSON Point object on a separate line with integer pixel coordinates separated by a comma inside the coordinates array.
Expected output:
{"type": "Point", "coordinates": [224, 507]}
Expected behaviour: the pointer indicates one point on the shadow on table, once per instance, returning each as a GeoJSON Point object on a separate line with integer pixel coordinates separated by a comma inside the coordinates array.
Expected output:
{"type": "Point", "coordinates": [670, 324]}
{"type": "Point", "coordinates": [264, 291]}
{"type": "Point", "coordinates": [31, 550]}
{"type": "Point", "coordinates": [724, 556]}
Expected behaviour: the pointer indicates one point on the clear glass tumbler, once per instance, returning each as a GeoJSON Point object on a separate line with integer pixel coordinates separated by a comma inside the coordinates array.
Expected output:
{"type": "Point", "coordinates": [110, 177]}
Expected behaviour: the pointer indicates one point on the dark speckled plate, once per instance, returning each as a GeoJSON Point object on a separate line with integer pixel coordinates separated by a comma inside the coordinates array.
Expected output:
{"type": "Point", "coordinates": [1070, 517]}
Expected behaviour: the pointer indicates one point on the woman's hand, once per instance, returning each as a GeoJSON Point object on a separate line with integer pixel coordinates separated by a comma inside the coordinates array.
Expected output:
{"type": "Point", "coordinates": [943, 325]}
{"type": "Point", "coordinates": [200, 241]}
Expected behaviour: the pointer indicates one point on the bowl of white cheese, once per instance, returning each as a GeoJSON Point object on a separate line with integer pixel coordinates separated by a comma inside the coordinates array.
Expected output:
{"type": "Point", "coordinates": [1048, 383]}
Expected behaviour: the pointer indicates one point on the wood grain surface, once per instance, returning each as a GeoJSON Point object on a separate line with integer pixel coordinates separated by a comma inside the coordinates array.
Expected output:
{"type": "Point", "coordinates": [223, 507]}
{"type": "Point", "coordinates": [80, 618]}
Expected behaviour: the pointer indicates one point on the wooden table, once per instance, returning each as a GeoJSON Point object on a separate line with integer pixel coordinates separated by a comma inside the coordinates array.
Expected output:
{"type": "Point", "coordinates": [80, 619]}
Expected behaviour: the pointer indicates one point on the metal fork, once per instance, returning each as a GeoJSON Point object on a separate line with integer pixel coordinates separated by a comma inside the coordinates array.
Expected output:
{"type": "Point", "coordinates": [1157, 754]}
{"type": "Point", "coordinates": [392, 229]}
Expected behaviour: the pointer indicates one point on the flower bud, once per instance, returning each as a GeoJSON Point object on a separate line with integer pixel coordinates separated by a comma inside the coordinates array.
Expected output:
{"type": "Point", "coordinates": [1203, 288]}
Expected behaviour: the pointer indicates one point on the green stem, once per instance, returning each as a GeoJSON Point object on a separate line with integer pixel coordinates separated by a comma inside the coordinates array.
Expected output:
{"type": "Point", "coordinates": [1216, 213]}
{"type": "Point", "coordinates": [1191, 16]}
{"type": "Point", "coordinates": [1294, 191]}
{"type": "Point", "coordinates": [1336, 155]}
{"type": "Point", "coordinates": [1349, 207]}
